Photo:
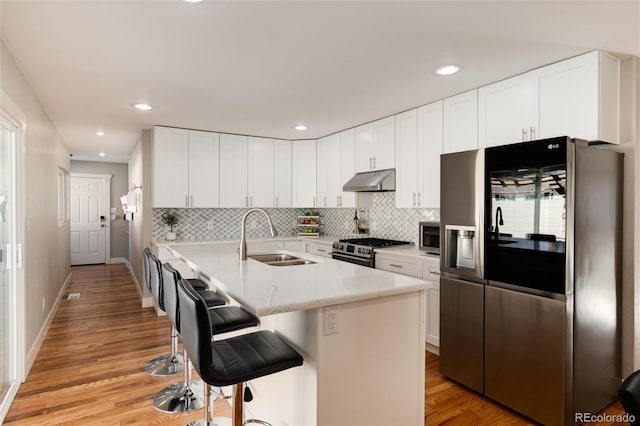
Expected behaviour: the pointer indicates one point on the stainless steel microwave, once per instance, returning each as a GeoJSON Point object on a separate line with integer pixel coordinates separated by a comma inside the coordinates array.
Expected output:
{"type": "Point", "coordinates": [429, 237]}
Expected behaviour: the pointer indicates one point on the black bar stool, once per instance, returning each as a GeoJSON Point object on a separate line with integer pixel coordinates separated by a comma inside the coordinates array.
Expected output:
{"type": "Point", "coordinates": [231, 361]}
{"type": "Point", "coordinates": [172, 363]}
{"type": "Point", "coordinates": [629, 394]}
{"type": "Point", "coordinates": [180, 397]}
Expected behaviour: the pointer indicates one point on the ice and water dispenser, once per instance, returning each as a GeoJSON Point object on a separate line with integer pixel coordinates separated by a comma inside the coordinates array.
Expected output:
{"type": "Point", "coordinates": [460, 247]}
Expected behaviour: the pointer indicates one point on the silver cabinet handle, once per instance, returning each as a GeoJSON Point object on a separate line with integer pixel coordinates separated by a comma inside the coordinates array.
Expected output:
{"type": "Point", "coordinates": [419, 199]}
{"type": "Point", "coordinates": [276, 201]}
{"type": "Point", "coordinates": [374, 162]}
{"type": "Point", "coordinates": [320, 250]}
{"type": "Point", "coordinates": [524, 135]}
{"type": "Point", "coordinates": [186, 201]}
{"type": "Point", "coordinates": [532, 132]}
{"type": "Point", "coordinates": [191, 201]}
{"type": "Point", "coordinates": [370, 163]}
{"type": "Point", "coordinates": [395, 266]}
{"type": "Point", "coordinates": [246, 201]}
{"type": "Point", "coordinates": [338, 200]}
{"type": "Point", "coordinates": [325, 201]}
{"type": "Point", "coordinates": [414, 199]}
{"type": "Point", "coordinates": [314, 201]}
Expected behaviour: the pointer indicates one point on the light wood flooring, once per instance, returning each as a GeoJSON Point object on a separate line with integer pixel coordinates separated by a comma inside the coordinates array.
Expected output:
{"type": "Point", "coordinates": [90, 369]}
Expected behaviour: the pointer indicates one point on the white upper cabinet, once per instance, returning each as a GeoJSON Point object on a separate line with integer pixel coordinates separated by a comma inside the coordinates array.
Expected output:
{"type": "Point", "coordinates": [184, 168]}
{"type": "Point", "coordinates": [407, 159]}
{"type": "Point", "coordinates": [347, 167]}
{"type": "Point", "coordinates": [578, 97]}
{"type": "Point", "coordinates": [507, 111]}
{"type": "Point", "coordinates": [260, 162]}
{"type": "Point", "coordinates": [461, 122]}
{"type": "Point", "coordinates": [204, 177]}
{"type": "Point", "coordinates": [419, 139]}
{"type": "Point", "coordinates": [282, 173]}
{"type": "Point", "coordinates": [233, 171]}
{"type": "Point", "coordinates": [322, 171]}
{"type": "Point", "coordinates": [375, 145]}
{"type": "Point", "coordinates": [430, 145]}
{"type": "Point", "coordinates": [303, 173]}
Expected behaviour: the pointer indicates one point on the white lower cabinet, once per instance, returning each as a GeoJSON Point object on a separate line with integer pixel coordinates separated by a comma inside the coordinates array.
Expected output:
{"type": "Point", "coordinates": [319, 248]}
{"type": "Point", "coordinates": [427, 268]}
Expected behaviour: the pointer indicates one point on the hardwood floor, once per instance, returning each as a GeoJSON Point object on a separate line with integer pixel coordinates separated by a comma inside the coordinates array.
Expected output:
{"type": "Point", "coordinates": [90, 369]}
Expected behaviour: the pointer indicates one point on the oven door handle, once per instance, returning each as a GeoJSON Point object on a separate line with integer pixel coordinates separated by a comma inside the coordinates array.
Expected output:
{"type": "Point", "coordinates": [347, 256]}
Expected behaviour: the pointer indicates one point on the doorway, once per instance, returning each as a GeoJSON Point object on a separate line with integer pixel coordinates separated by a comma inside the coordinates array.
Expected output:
{"type": "Point", "coordinates": [90, 230]}
{"type": "Point", "coordinates": [11, 292]}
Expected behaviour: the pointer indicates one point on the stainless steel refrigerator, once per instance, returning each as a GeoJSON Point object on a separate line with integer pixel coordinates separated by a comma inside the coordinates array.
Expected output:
{"type": "Point", "coordinates": [531, 269]}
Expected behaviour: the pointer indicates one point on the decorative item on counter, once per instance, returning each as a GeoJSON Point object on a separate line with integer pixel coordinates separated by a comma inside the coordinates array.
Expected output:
{"type": "Point", "coordinates": [170, 219]}
{"type": "Point", "coordinates": [309, 225]}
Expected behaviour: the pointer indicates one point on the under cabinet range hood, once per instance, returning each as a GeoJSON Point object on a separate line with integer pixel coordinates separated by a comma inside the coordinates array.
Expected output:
{"type": "Point", "coordinates": [375, 181]}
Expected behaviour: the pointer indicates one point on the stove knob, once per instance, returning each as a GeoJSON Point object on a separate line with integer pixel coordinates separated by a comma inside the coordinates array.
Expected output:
{"type": "Point", "coordinates": [368, 251]}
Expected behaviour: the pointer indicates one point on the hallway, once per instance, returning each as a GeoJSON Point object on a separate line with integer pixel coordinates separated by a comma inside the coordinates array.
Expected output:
{"type": "Point", "coordinates": [90, 369]}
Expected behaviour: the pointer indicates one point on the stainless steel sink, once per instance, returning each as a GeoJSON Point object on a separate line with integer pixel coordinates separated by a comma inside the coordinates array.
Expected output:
{"type": "Point", "coordinates": [280, 259]}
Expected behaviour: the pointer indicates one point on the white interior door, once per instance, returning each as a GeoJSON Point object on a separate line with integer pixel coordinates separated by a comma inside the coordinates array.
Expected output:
{"type": "Point", "coordinates": [88, 221]}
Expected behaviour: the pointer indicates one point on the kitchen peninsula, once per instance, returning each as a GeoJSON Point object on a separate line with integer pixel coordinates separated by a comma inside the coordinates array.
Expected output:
{"type": "Point", "coordinates": [366, 367]}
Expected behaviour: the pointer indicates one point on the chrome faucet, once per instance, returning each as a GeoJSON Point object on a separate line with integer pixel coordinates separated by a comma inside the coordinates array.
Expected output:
{"type": "Point", "coordinates": [243, 235]}
{"type": "Point", "coordinates": [499, 221]}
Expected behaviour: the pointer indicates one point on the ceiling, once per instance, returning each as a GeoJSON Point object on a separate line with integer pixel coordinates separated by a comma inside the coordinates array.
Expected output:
{"type": "Point", "coordinates": [261, 67]}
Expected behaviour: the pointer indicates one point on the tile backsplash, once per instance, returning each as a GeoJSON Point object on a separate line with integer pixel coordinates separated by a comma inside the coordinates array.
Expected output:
{"type": "Point", "coordinates": [383, 219]}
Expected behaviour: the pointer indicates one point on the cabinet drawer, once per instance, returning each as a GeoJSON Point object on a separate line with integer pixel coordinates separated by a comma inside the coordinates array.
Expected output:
{"type": "Point", "coordinates": [404, 266]}
{"type": "Point", "coordinates": [431, 271]}
{"type": "Point", "coordinates": [318, 249]}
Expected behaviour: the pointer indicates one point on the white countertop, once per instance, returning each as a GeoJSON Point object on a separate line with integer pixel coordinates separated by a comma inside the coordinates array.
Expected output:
{"type": "Point", "coordinates": [410, 250]}
{"type": "Point", "coordinates": [264, 289]}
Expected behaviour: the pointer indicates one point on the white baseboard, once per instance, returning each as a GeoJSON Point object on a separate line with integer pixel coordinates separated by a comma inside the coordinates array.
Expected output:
{"type": "Point", "coordinates": [35, 348]}
{"type": "Point", "coordinates": [8, 398]}
{"type": "Point", "coordinates": [433, 349]}
{"type": "Point", "coordinates": [147, 301]}
{"type": "Point", "coordinates": [118, 260]}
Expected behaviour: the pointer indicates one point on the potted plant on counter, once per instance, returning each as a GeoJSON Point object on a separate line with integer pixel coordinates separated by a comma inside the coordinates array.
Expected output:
{"type": "Point", "coordinates": [170, 219]}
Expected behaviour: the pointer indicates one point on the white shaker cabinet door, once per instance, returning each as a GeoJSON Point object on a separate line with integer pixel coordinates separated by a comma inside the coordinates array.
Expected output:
{"type": "Point", "coordinates": [233, 171]}
{"type": "Point", "coordinates": [407, 159]}
{"type": "Point", "coordinates": [170, 167]}
{"type": "Point", "coordinates": [282, 173]}
{"type": "Point", "coordinates": [204, 163]}
{"type": "Point", "coordinates": [384, 156]}
{"type": "Point", "coordinates": [364, 147]}
{"type": "Point", "coordinates": [430, 142]}
{"type": "Point", "coordinates": [260, 172]}
{"type": "Point", "coordinates": [461, 122]}
{"type": "Point", "coordinates": [508, 111]}
{"type": "Point", "coordinates": [579, 98]}
{"type": "Point", "coordinates": [334, 178]}
{"type": "Point", "coordinates": [347, 166]}
{"type": "Point", "coordinates": [322, 171]}
{"type": "Point", "coordinates": [304, 173]}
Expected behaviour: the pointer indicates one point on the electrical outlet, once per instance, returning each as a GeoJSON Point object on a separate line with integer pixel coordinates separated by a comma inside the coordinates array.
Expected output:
{"type": "Point", "coordinates": [209, 225]}
{"type": "Point", "coordinates": [331, 320]}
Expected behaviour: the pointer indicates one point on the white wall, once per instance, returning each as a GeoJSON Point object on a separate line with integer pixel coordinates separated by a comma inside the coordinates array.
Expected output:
{"type": "Point", "coordinates": [140, 227]}
{"type": "Point", "coordinates": [46, 249]}
{"type": "Point", "coordinates": [119, 228]}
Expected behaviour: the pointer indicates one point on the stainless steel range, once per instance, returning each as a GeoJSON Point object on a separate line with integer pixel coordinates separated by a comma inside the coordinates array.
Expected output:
{"type": "Point", "coordinates": [361, 251]}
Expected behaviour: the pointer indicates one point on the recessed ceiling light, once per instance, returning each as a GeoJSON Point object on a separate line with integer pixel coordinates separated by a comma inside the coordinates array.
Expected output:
{"type": "Point", "coordinates": [142, 107]}
{"type": "Point", "coordinates": [193, 1]}
{"type": "Point", "coordinates": [100, 133]}
{"type": "Point", "coordinates": [102, 154]}
{"type": "Point", "coordinates": [301, 127]}
{"type": "Point", "coordinates": [447, 69]}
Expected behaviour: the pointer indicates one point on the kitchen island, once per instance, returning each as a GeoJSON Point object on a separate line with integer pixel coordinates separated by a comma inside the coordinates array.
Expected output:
{"type": "Point", "coordinates": [364, 367]}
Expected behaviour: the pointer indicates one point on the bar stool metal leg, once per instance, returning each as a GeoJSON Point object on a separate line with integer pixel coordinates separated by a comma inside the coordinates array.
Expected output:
{"type": "Point", "coordinates": [168, 364]}
{"type": "Point", "coordinates": [179, 397]}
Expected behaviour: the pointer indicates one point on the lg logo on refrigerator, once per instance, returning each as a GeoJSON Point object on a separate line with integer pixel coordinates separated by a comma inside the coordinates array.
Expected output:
{"type": "Point", "coordinates": [553, 146]}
